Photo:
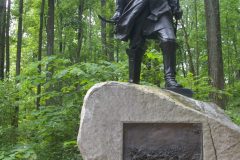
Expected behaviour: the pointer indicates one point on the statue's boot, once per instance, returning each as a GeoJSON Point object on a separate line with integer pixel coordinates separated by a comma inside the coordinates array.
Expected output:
{"type": "Point", "coordinates": [169, 60]}
{"type": "Point", "coordinates": [135, 60]}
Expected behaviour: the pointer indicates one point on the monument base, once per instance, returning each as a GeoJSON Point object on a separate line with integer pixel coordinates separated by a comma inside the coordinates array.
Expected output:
{"type": "Point", "coordinates": [183, 91]}
{"type": "Point", "coordinates": [122, 121]}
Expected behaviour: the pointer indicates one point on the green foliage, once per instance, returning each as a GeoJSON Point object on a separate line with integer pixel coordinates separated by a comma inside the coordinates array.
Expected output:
{"type": "Point", "coordinates": [50, 133]}
{"type": "Point", "coordinates": [21, 152]}
{"type": "Point", "coordinates": [152, 70]}
{"type": "Point", "coordinates": [234, 114]}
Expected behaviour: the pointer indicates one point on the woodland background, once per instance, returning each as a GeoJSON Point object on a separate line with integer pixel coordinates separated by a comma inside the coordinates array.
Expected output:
{"type": "Point", "coordinates": [52, 52]}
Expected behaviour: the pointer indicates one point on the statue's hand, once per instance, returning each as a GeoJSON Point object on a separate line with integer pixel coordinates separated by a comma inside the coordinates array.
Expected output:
{"type": "Point", "coordinates": [116, 16]}
{"type": "Point", "coordinates": [178, 14]}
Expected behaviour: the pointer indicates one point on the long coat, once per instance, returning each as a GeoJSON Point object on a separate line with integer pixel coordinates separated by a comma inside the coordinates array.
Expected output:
{"type": "Point", "coordinates": [132, 10]}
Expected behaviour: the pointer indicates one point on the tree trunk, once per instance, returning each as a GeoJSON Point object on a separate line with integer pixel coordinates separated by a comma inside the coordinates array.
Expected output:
{"type": "Point", "coordinates": [2, 36]}
{"type": "Point", "coordinates": [229, 53]}
{"type": "Point", "coordinates": [111, 44]}
{"type": "Point", "coordinates": [40, 52]}
{"type": "Point", "coordinates": [19, 42]}
{"type": "Point", "coordinates": [183, 61]}
{"type": "Point", "coordinates": [238, 75]}
{"type": "Point", "coordinates": [90, 36]}
{"type": "Point", "coordinates": [237, 55]}
{"type": "Point", "coordinates": [103, 29]}
{"type": "Point", "coordinates": [60, 33]}
{"type": "Point", "coordinates": [215, 61]}
{"type": "Point", "coordinates": [111, 41]}
{"type": "Point", "coordinates": [50, 28]}
{"type": "Point", "coordinates": [50, 45]}
{"type": "Point", "coordinates": [18, 60]}
{"type": "Point", "coordinates": [80, 29]}
{"type": "Point", "coordinates": [197, 52]}
{"type": "Point", "coordinates": [60, 28]}
{"type": "Point", "coordinates": [117, 51]}
{"type": "Point", "coordinates": [8, 38]}
{"type": "Point", "coordinates": [190, 55]}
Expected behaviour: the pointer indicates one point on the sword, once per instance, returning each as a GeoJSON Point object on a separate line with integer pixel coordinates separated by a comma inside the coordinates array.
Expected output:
{"type": "Point", "coordinates": [106, 20]}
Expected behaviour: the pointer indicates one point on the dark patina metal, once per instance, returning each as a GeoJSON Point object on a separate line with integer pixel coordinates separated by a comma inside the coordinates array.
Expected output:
{"type": "Point", "coordinates": [138, 20]}
{"type": "Point", "coordinates": [162, 141]}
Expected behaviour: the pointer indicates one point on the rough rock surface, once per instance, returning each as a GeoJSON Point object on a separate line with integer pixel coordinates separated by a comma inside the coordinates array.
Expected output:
{"type": "Point", "coordinates": [108, 105]}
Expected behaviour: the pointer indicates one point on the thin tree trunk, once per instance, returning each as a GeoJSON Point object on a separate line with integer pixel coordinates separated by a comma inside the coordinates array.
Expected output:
{"type": "Point", "coordinates": [19, 43]}
{"type": "Point", "coordinates": [64, 43]}
{"type": "Point", "coordinates": [186, 37]}
{"type": "Point", "coordinates": [2, 36]}
{"type": "Point", "coordinates": [80, 29]}
{"type": "Point", "coordinates": [8, 38]}
{"type": "Point", "coordinates": [50, 28]}
{"type": "Point", "coordinates": [183, 61]}
{"type": "Point", "coordinates": [229, 57]}
{"type": "Point", "coordinates": [111, 44]}
{"type": "Point", "coordinates": [197, 37]}
{"type": "Point", "coordinates": [40, 41]}
{"type": "Point", "coordinates": [18, 60]}
{"type": "Point", "coordinates": [90, 36]}
{"type": "Point", "coordinates": [61, 33]}
{"type": "Point", "coordinates": [117, 51]}
{"type": "Point", "coordinates": [235, 41]}
{"type": "Point", "coordinates": [103, 28]}
{"type": "Point", "coordinates": [50, 44]}
{"type": "Point", "coordinates": [215, 61]}
{"type": "Point", "coordinates": [60, 27]}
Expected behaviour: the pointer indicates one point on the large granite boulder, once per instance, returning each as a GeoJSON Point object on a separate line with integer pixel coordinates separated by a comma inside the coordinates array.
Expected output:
{"type": "Point", "coordinates": [108, 106]}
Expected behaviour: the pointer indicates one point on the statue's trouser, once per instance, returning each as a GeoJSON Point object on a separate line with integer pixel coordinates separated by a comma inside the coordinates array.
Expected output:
{"type": "Point", "coordinates": [135, 53]}
{"type": "Point", "coordinates": [119, 5]}
{"type": "Point", "coordinates": [119, 8]}
{"type": "Point", "coordinates": [135, 60]}
{"type": "Point", "coordinates": [167, 39]}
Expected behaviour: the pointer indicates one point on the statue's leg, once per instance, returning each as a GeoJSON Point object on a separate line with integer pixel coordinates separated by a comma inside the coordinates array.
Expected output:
{"type": "Point", "coordinates": [135, 60]}
{"type": "Point", "coordinates": [168, 46]}
{"type": "Point", "coordinates": [137, 47]}
{"type": "Point", "coordinates": [135, 54]}
{"type": "Point", "coordinates": [120, 4]}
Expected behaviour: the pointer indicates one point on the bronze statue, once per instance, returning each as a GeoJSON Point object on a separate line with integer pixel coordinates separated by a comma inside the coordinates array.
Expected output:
{"type": "Point", "coordinates": [137, 20]}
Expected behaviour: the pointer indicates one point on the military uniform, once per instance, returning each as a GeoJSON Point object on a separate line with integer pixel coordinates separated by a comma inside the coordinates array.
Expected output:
{"type": "Point", "coordinates": [141, 19]}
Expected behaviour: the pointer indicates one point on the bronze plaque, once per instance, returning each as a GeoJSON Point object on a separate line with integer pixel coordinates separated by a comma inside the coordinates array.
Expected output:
{"type": "Point", "coordinates": [162, 141]}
